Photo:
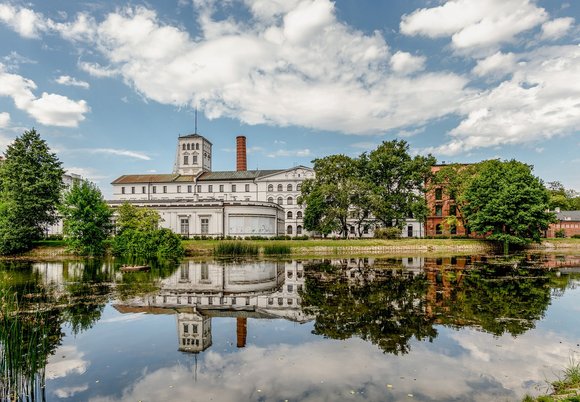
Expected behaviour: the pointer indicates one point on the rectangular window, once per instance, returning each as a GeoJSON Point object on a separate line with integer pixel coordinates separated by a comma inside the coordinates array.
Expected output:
{"type": "Point", "coordinates": [185, 328]}
{"type": "Point", "coordinates": [186, 160]}
{"type": "Point", "coordinates": [165, 189]}
{"type": "Point", "coordinates": [438, 194]}
{"type": "Point", "coordinates": [189, 189]}
{"type": "Point", "coordinates": [179, 189]}
{"type": "Point", "coordinates": [221, 188]}
{"type": "Point", "coordinates": [194, 159]}
{"type": "Point", "coordinates": [204, 225]}
{"type": "Point", "coordinates": [438, 210]}
{"type": "Point", "coordinates": [122, 190]}
{"type": "Point", "coordinates": [233, 188]}
{"type": "Point", "coordinates": [194, 328]}
{"type": "Point", "coordinates": [452, 210]}
{"type": "Point", "coordinates": [154, 189]}
{"type": "Point", "coordinates": [143, 189]}
{"type": "Point", "coordinates": [247, 188]}
{"type": "Point", "coordinates": [199, 188]}
{"type": "Point", "coordinates": [184, 226]}
{"type": "Point", "coordinates": [132, 190]}
{"type": "Point", "coordinates": [210, 189]}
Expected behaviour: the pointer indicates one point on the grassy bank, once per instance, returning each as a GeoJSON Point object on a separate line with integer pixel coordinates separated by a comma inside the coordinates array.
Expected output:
{"type": "Point", "coordinates": [566, 387]}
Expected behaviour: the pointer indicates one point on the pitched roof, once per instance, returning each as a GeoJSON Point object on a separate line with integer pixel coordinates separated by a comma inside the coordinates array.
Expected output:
{"type": "Point", "coordinates": [206, 176]}
{"type": "Point", "coordinates": [195, 135]}
{"type": "Point", "coordinates": [145, 178]}
{"type": "Point", "coordinates": [236, 175]}
{"type": "Point", "coordinates": [568, 215]}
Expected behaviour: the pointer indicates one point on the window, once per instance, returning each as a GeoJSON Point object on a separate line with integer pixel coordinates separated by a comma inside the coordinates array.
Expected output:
{"type": "Point", "coordinates": [179, 189]}
{"type": "Point", "coordinates": [165, 189]}
{"type": "Point", "coordinates": [194, 328]}
{"type": "Point", "coordinates": [189, 188]}
{"type": "Point", "coordinates": [438, 229]}
{"type": "Point", "coordinates": [204, 225]}
{"type": "Point", "coordinates": [452, 210]}
{"type": "Point", "coordinates": [453, 229]}
{"type": "Point", "coordinates": [210, 188]}
{"type": "Point", "coordinates": [233, 188]}
{"type": "Point", "coordinates": [270, 187]}
{"type": "Point", "coordinates": [154, 189]}
{"type": "Point", "coordinates": [122, 190]}
{"type": "Point", "coordinates": [289, 215]}
{"type": "Point", "coordinates": [184, 226]}
{"type": "Point", "coordinates": [143, 189]}
{"type": "Point", "coordinates": [194, 160]}
{"type": "Point", "coordinates": [185, 328]}
{"type": "Point", "coordinates": [280, 187]}
{"type": "Point", "coordinates": [279, 200]}
{"type": "Point", "coordinates": [289, 187]}
{"type": "Point", "coordinates": [290, 288]}
{"type": "Point", "coordinates": [438, 194]}
{"type": "Point", "coordinates": [198, 188]}
{"type": "Point", "coordinates": [438, 210]}
{"type": "Point", "coordinates": [289, 201]}
{"type": "Point", "coordinates": [298, 230]}
{"type": "Point", "coordinates": [221, 188]}
{"type": "Point", "coordinates": [298, 186]}
{"type": "Point", "coordinates": [299, 215]}
{"type": "Point", "coordinates": [183, 147]}
{"type": "Point", "coordinates": [186, 159]}
{"type": "Point", "coordinates": [289, 230]}
{"type": "Point", "coordinates": [132, 190]}
{"type": "Point", "coordinates": [197, 146]}
{"type": "Point", "coordinates": [247, 188]}
{"type": "Point", "coordinates": [270, 199]}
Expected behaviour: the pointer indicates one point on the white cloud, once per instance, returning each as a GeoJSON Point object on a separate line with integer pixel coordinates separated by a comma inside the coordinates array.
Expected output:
{"type": "Point", "coordinates": [120, 152]}
{"type": "Point", "coordinates": [540, 101]}
{"type": "Point", "coordinates": [67, 360]}
{"type": "Point", "coordinates": [556, 28]}
{"type": "Point", "coordinates": [24, 21]}
{"type": "Point", "coordinates": [67, 392]}
{"type": "Point", "coordinates": [301, 153]}
{"type": "Point", "coordinates": [70, 81]}
{"type": "Point", "coordinates": [49, 109]}
{"type": "Point", "coordinates": [497, 65]}
{"type": "Point", "coordinates": [96, 70]}
{"type": "Point", "coordinates": [4, 119]}
{"type": "Point", "coordinates": [87, 173]}
{"type": "Point", "coordinates": [406, 63]}
{"type": "Point", "coordinates": [475, 23]}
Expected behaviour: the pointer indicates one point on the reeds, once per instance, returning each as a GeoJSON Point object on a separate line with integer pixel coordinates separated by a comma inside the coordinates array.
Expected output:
{"type": "Point", "coordinates": [277, 249]}
{"type": "Point", "coordinates": [235, 248]}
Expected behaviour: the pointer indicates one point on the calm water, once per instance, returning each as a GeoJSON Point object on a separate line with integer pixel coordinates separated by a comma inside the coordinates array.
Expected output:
{"type": "Point", "coordinates": [453, 329]}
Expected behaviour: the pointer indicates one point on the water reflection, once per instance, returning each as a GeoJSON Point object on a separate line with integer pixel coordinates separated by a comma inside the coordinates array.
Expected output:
{"type": "Point", "coordinates": [422, 312]}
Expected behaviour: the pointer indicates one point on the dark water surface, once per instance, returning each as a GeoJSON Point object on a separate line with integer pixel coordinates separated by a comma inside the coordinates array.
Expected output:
{"type": "Point", "coordinates": [453, 329]}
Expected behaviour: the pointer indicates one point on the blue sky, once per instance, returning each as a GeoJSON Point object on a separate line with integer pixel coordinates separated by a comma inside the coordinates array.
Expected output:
{"type": "Point", "coordinates": [110, 85]}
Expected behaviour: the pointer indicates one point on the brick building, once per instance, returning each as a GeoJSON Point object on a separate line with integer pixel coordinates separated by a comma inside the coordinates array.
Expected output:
{"type": "Point", "coordinates": [568, 222]}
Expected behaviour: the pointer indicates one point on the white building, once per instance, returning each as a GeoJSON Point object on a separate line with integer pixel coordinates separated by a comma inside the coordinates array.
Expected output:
{"type": "Point", "coordinates": [194, 200]}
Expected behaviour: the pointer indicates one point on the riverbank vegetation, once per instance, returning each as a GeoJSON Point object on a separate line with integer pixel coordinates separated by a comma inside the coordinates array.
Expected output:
{"type": "Point", "coordinates": [566, 387]}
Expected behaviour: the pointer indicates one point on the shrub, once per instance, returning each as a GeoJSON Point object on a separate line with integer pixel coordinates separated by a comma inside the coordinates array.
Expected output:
{"type": "Point", "coordinates": [576, 236]}
{"type": "Point", "coordinates": [235, 248]}
{"type": "Point", "coordinates": [561, 233]}
{"type": "Point", "coordinates": [387, 233]}
{"type": "Point", "coordinates": [161, 243]}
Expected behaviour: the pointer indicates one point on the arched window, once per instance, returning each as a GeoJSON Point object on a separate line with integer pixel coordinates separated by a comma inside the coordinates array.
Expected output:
{"type": "Point", "coordinates": [289, 230]}
{"type": "Point", "coordinates": [270, 187]}
{"type": "Point", "coordinates": [289, 201]}
{"type": "Point", "coordinates": [197, 146]}
{"type": "Point", "coordinates": [270, 199]}
{"type": "Point", "coordinates": [289, 215]}
{"type": "Point", "coordinates": [183, 147]}
{"type": "Point", "coordinates": [298, 230]}
{"type": "Point", "coordinates": [188, 146]}
{"type": "Point", "coordinates": [299, 215]}
{"type": "Point", "coordinates": [298, 186]}
{"type": "Point", "coordinates": [279, 200]}
{"type": "Point", "coordinates": [289, 187]}
{"type": "Point", "coordinates": [280, 187]}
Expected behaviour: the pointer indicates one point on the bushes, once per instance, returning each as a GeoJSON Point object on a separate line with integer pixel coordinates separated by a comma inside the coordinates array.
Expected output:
{"type": "Point", "coordinates": [561, 233]}
{"type": "Point", "coordinates": [576, 236]}
{"type": "Point", "coordinates": [388, 233]}
{"type": "Point", "coordinates": [160, 243]}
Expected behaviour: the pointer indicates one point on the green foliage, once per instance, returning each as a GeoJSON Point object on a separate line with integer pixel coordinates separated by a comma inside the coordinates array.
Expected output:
{"type": "Point", "coordinates": [277, 249]}
{"type": "Point", "coordinates": [159, 243]}
{"type": "Point", "coordinates": [30, 185]}
{"type": "Point", "coordinates": [560, 197]}
{"type": "Point", "coordinates": [86, 219]}
{"type": "Point", "coordinates": [561, 233]}
{"type": "Point", "coordinates": [141, 219]}
{"type": "Point", "coordinates": [388, 233]}
{"type": "Point", "coordinates": [507, 203]}
{"type": "Point", "coordinates": [454, 180]}
{"type": "Point", "coordinates": [235, 248]}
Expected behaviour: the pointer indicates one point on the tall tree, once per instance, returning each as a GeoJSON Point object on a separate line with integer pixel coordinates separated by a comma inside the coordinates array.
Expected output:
{"type": "Point", "coordinates": [30, 185]}
{"type": "Point", "coordinates": [399, 182]}
{"type": "Point", "coordinates": [560, 197]}
{"type": "Point", "coordinates": [86, 219]}
{"type": "Point", "coordinates": [507, 203]}
{"type": "Point", "coordinates": [141, 219]}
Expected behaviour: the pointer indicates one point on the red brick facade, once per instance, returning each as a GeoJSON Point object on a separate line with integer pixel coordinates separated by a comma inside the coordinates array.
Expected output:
{"type": "Point", "coordinates": [568, 222]}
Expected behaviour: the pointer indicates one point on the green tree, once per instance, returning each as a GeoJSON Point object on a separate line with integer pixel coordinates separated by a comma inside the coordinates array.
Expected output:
{"type": "Point", "coordinates": [86, 219]}
{"type": "Point", "coordinates": [141, 219]}
{"type": "Point", "coordinates": [560, 197]}
{"type": "Point", "coordinates": [507, 203]}
{"type": "Point", "coordinates": [399, 182]}
{"type": "Point", "coordinates": [30, 186]}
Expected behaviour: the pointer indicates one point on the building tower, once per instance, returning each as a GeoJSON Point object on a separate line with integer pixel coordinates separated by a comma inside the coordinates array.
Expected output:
{"type": "Point", "coordinates": [193, 155]}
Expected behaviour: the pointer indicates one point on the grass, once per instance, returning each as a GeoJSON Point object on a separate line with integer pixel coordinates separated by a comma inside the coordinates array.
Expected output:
{"type": "Point", "coordinates": [277, 249]}
{"type": "Point", "coordinates": [235, 248]}
{"type": "Point", "coordinates": [566, 388]}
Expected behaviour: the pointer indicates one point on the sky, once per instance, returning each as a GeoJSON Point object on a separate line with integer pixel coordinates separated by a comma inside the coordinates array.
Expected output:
{"type": "Point", "coordinates": [110, 85]}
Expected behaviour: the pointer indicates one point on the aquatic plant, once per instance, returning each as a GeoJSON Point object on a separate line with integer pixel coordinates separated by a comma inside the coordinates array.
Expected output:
{"type": "Point", "coordinates": [277, 249]}
{"type": "Point", "coordinates": [235, 248]}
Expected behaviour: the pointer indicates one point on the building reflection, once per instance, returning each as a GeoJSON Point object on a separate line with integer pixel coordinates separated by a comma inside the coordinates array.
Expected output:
{"type": "Point", "coordinates": [200, 291]}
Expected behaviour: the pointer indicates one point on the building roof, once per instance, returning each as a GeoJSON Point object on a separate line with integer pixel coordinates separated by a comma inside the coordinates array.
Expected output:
{"type": "Point", "coordinates": [195, 135]}
{"type": "Point", "coordinates": [568, 215]}
{"type": "Point", "coordinates": [145, 178]}
{"type": "Point", "coordinates": [205, 176]}
{"type": "Point", "coordinates": [236, 175]}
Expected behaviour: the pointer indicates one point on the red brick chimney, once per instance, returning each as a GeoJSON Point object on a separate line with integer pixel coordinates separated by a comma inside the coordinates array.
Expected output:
{"type": "Point", "coordinates": [241, 153]}
{"type": "Point", "coordinates": [241, 331]}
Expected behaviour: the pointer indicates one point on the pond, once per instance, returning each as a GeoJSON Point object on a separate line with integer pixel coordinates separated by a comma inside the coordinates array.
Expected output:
{"type": "Point", "coordinates": [477, 328]}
